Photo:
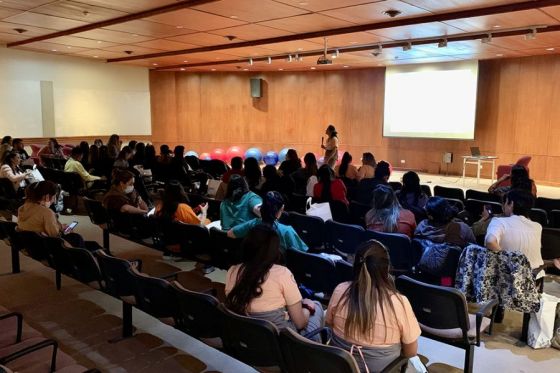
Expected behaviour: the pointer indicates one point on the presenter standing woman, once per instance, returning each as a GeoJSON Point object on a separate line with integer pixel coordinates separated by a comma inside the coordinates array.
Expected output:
{"type": "Point", "coordinates": [331, 146]}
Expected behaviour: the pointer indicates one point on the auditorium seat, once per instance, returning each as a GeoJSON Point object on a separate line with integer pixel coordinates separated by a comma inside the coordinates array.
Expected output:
{"type": "Point", "coordinates": [310, 229]}
{"type": "Point", "coordinates": [449, 193]}
{"type": "Point", "coordinates": [342, 238]}
{"type": "Point", "coordinates": [314, 272]}
{"type": "Point", "coordinates": [399, 246]}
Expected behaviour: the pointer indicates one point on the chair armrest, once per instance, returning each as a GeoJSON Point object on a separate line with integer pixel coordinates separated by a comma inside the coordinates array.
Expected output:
{"type": "Point", "coordinates": [137, 263]}
{"type": "Point", "coordinates": [31, 349]}
{"type": "Point", "coordinates": [483, 311]}
{"type": "Point", "coordinates": [396, 365]}
{"type": "Point", "coordinates": [324, 331]}
{"type": "Point", "coordinates": [19, 318]}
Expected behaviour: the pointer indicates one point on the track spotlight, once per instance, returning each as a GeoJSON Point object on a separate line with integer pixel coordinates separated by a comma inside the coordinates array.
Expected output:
{"type": "Point", "coordinates": [442, 43]}
{"type": "Point", "coordinates": [532, 35]}
{"type": "Point", "coordinates": [269, 60]}
{"type": "Point", "coordinates": [289, 58]}
{"type": "Point", "coordinates": [250, 62]}
{"type": "Point", "coordinates": [487, 39]}
{"type": "Point", "coordinates": [377, 51]}
{"type": "Point", "coordinates": [336, 54]}
{"type": "Point", "coordinates": [407, 46]}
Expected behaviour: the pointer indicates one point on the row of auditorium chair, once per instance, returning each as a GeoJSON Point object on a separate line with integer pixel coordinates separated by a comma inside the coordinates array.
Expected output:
{"type": "Point", "coordinates": [25, 350]}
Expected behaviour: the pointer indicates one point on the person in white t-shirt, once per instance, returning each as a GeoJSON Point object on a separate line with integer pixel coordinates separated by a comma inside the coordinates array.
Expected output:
{"type": "Point", "coordinates": [514, 231]}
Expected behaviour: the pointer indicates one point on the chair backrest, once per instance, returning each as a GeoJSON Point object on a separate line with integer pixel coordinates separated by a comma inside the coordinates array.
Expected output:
{"type": "Point", "coordinates": [399, 246]}
{"type": "Point", "coordinates": [445, 192]}
{"type": "Point", "coordinates": [482, 196]}
{"type": "Point", "coordinates": [310, 229]}
{"type": "Point", "coordinates": [395, 185]}
{"type": "Point", "coordinates": [297, 203]}
{"type": "Point", "coordinates": [540, 216]}
{"type": "Point", "coordinates": [457, 204]}
{"type": "Point", "coordinates": [214, 167]}
{"type": "Point", "coordinates": [7, 188]}
{"type": "Point", "coordinates": [554, 218]}
{"type": "Point", "coordinates": [344, 271]}
{"type": "Point", "coordinates": [225, 251]}
{"type": "Point", "coordinates": [154, 296]}
{"type": "Point", "coordinates": [252, 341]}
{"type": "Point", "coordinates": [193, 162]}
{"type": "Point", "coordinates": [195, 240]}
{"type": "Point", "coordinates": [304, 356]}
{"type": "Point", "coordinates": [435, 306]}
{"type": "Point", "coordinates": [213, 208]}
{"type": "Point", "coordinates": [36, 246]}
{"type": "Point", "coordinates": [550, 242]}
{"type": "Point", "coordinates": [96, 212]}
{"type": "Point", "coordinates": [85, 268]}
{"type": "Point", "coordinates": [358, 212]}
{"type": "Point", "coordinates": [313, 271]}
{"type": "Point", "coordinates": [343, 238]}
{"type": "Point", "coordinates": [339, 211]}
{"type": "Point", "coordinates": [198, 313]}
{"type": "Point", "coordinates": [426, 189]}
{"type": "Point", "coordinates": [475, 207]}
{"type": "Point", "coordinates": [524, 161]}
{"type": "Point", "coordinates": [547, 204]}
{"type": "Point", "coordinates": [115, 271]}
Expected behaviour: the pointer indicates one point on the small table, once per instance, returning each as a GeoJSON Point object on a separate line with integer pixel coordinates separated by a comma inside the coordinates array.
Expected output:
{"type": "Point", "coordinates": [478, 161]}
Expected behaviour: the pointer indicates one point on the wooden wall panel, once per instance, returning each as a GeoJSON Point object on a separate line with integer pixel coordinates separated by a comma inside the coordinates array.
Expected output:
{"type": "Point", "coordinates": [517, 114]}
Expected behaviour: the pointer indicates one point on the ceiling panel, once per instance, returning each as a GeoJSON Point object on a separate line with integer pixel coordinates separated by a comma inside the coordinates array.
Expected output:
{"type": "Point", "coordinates": [417, 31]}
{"type": "Point", "coordinates": [306, 23]}
{"type": "Point", "coordinates": [53, 47]}
{"type": "Point", "coordinates": [251, 52]}
{"type": "Point", "coordinates": [542, 41]}
{"type": "Point", "coordinates": [553, 11]}
{"type": "Point", "coordinates": [79, 42]}
{"type": "Point", "coordinates": [112, 36]}
{"type": "Point", "coordinates": [195, 20]}
{"type": "Point", "coordinates": [293, 46]}
{"type": "Point", "coordinates": [24, 4]}
{"type": "Point", "coordinates": [373, 12]}
{"type": "Point", "coordinates": [439, 6]}
{"type": "Point", "coordinates": [202, 39]}
{"type": "Point", "coordinates": [7, 12]}
{"type": "Point", "coordinates": [98, 54]}
{"type": "Point", "coordinates": [505, 20]}
{"type": "Point", "coordinates": [135, 49]}
{"type": "Point", "coordinates": [350, 39]}
{"type": "Point", "coordinates": [78, 11]}
{"type": "Point", "coordinates": [153, 29]}
{"type": "Point", "coordinates": [129, 6]}
{"type": "Point", "coordinates": [251, 32]}
{"type": "Point", "coordinates": [251, 11]}
{"type": "Point", "coordinates": [9, 28]}
{"type": "Point", "coordinates": [42, 20]}
{"type": "Point", "coordinates": [166, 45]}
{"type": "Point", "coordinates": [319, 5]}
{"type": "Point", "coordinates": [10, 38]}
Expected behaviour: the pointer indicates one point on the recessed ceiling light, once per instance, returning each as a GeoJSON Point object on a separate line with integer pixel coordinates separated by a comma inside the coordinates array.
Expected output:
{"type": "Point", "coordinates": [54, 50]}
{"type": "Point", "coordinates": [300, 49]}
{"type": "Point", "coordinates": [312, 67]}
{"type": "Point", "coordinates": [99, 42]}
{"type": "Point", "coordinates": [182, 69]}
{"type": "Point", "coordinates": [496, 26]}
{"type": "Point", "coordinates": [392, 13]}
{"type": "Point", "coordinates": [499, 55]}
{"type": "Point", "coordinates": [69, 47]}
{"type": "Point", "coordinates": [346, 66]}
{"type": "Point", "coordinates": [179, 26]}
{"type": "Point", "coordinates": [95, 56]}
{"type": "Point", "coordinates": [550, 49]}
{"type": "Point", "coordinates": [213, 69]}
{"type": "Point", "coordinates": [155, 64]}
{"type": "Point", "coordinates": [134, 35]}
{"type": "Point", "coordinates": [302, 3]}
{"type": "Point", "coordinates": [20, 30]}
{"type": "Point", "coordinates": [217, 58]}
{"type": "Point", "coordinates": [245, 69]}
{"type": "Point", "coordinates": [280, 69]}
{"type": "Point", "coordinates": [233, 17]}
{"type": "Point", "coordinates": [353, 42]}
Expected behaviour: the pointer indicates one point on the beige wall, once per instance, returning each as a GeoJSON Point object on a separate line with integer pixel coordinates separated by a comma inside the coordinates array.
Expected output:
{"type": "Point", "coordinates": [87, 97]}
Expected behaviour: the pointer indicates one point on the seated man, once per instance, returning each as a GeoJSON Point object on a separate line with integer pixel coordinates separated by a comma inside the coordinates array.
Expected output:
{"type": "Point", "coordinates": [73, 164]}
{"type": "Point", "coordinates": [366, 186]}
{"type": "Point", "coordinates": [514, 231]}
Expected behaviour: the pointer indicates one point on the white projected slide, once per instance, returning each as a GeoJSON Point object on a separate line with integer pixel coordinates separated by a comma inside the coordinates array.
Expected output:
{"type": "Point", "coordinates": [431, 100]}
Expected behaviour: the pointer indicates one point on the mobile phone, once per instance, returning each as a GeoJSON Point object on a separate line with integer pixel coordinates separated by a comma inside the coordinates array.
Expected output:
{"type": "Point", "coordinates": [70, 227]}
{"type": "Point", "coordinates": [151, 212]}
{"type": "Point", "coordinates": [488, 208]}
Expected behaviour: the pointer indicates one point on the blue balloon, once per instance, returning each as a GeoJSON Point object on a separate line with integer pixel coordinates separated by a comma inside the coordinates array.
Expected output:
{"type": "Point", "coordinates": [282, 154]}
{"type": "Point", "coordinates": [254, 153]}
{"type": "Point", "coordinates": [191, 153]}
{"type": "Point", "coordinates": [271, 158]}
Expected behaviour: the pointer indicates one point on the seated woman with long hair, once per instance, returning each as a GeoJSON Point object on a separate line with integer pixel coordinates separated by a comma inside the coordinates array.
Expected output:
{"type": "Point", "coordinates": [346, 170]}
{"type": "Point", "coordinates": [240, 204]}
{"type": "Point", "coordinates": [411, 196]}
{"type": "Point", "coordinates": [253, 174]}
{"type": "Point", "coordinates": [441, 225]}
{"type": "Point", "coordinates": [175, 206]}
{"type": "Point", "coordinates": [368, 316]}
{"type": "Point", "coordinates": [305, 178]}
{"type": "Point", "coordinates": [328, 188]}
{"type": "Point", "coordinates": [261, 288]}
{"type": "Point", "coordinates": [387, 215]}
{"type": "Point", "coordinates": [367, 170]}
{"type": "Point", "coordinates": [519, 178]}
{"type": "Point", "coordinates": [291, 164]}
{"type": "Point", "coordinates": [271, 210]}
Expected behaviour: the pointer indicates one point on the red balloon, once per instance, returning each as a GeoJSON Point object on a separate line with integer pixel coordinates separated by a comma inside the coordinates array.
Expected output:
{"type": "Point", "coordinates": [205, 156]}
{"type": "Point", "coordinates": [234, 151]}
{"type": "Point", "coordinates": [219, 154]}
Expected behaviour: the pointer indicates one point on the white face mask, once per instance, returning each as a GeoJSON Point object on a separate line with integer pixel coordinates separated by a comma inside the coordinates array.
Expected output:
{"type": "Point", "coordinates": [129, 189]}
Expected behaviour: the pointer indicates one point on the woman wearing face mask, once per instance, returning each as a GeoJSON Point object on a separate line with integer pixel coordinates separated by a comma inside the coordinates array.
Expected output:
{"type": "Point", "coordinates": [122, 197]}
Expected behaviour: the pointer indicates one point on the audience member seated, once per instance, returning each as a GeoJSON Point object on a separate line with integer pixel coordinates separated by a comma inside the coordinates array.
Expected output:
{"type": "Point", "coordinates": [93, 157]}
{"type": "Point", "coordinates": [139, 154]}
{"type": "Point", "coordinates": [123, 158]}
{"type": "Point", "coordinates": [411, 196]}
{"type": "Point", "coordinates": [519, 180]}
{"type": "Point", "coordinates": [346, 170]}
{"type": "Point", "coordinates": [132, 145]}
{"type": "Point", "coordinates": [11, 170]}
{"type": "Point", "coordinates": [53, 150]}
{"type": "Point", "coordinates": [441, 225]}
{"type": "Point", "coordinates": [271, 210]}
{"type": "Point", "coordinates": [104, 164]}
{"type": "Point", "coordinates": [122, 198]}
{"type": "Point", "coordinates": [164, 154]}
{"type": "Point", "coordinates": [98, 143]}
{"type": "Point", "coordinates": [368, 316]}
{"type": "Point", "coordinates": [236, 169]}
{"type": "Point", "coordinates": [262, 288]}
{"type": "Point", "coordinates": [240, 205]}
{"type": "Point", "coordinates": [515, 231]}
{"type": "Point", "coordinates": [175, 206]}
{"type": "Point", "coordinates": [291, 164]}
{"type": "Point", "coordinates": [74, 165]}
{"type": "Point", "coordinates": [19, 147]}
{"type": "Point", "coordinates": [150, 158]}
{"type": "Point", "coordinates": [305, 178]}
{"type": "Point", "coordinates": [178, 167]}
{"type": "Point", "coordinates": [366, 186]}
{"type": "Point", "coordinates": [367, 170]}
{"type": "Point", "coordinates": [114, 146]}
{"type": "Point", "coordinates": [5, 147]}
{"type": "Point", "coordinates": [84, 146]}
{"type": "Point", "coordinates": [36, 215]}
{"type": "Point", "coordinates": [253, 174]}
{"type": "Point", "coordinates": [387, 215]}
{"type": "Point", "coordinates": [328, 188]}
{"type": "Point", "coordinates": [275, 182]}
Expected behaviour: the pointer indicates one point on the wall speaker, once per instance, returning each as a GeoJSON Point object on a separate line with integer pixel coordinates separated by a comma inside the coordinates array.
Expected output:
{"type": "Point", "coordinates": [256, 87]}
{"type": "Point", "coordinates": [447, 158]}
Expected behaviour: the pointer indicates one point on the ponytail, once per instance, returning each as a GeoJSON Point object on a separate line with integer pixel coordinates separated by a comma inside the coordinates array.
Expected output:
{"type": "Point", "coordinates": [272, 204]}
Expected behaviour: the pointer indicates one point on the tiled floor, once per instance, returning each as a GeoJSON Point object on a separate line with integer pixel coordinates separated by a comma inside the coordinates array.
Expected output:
{"type": "Point", "coordinates": [84, 320]}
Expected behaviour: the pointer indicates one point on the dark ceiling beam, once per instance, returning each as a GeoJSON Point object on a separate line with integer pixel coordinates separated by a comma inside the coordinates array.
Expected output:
{"type": "Point", "coordinates": [369, 47]}
{"type": "Point", "coordinates": [114, 21]}
{"type": "Point", "coordinates": [440, 17]}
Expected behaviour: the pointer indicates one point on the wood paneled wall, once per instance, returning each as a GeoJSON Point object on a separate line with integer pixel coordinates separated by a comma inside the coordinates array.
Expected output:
{"type": "Point", "coordinates": [517, 113]}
